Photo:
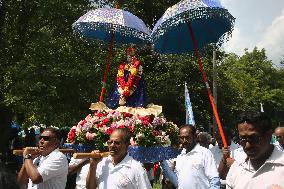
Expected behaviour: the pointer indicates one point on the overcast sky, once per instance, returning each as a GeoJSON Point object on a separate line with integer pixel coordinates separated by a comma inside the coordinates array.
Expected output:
{"type": "Point", "coordinates": [258, 23]}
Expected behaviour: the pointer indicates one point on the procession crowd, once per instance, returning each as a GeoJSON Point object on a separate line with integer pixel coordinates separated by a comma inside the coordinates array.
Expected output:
{"type": "Point", "coordinates": [250, 161]}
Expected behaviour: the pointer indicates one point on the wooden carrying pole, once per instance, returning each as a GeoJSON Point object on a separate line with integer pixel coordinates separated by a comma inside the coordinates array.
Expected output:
{"type": "Point", "coordinates": [204, 78]}
{"type": "Point", "coordinates": [90, 155]}
{"type": "Point", "coordinates": [65, 151]}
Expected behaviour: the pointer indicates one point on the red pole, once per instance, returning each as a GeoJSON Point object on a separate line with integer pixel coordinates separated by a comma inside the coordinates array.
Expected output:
{"type": "Point", "coordinates": [108, 60]}
{"type": "Point", "coordinates": [204, 78]}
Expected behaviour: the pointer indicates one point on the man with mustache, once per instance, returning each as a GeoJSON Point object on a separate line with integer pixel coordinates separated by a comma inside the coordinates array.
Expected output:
{"type": "Point", "coordinates": [118, 170]}
{"type": "Point", "coordinates": [195, 167]}
{"type": "Point", "coordinates": [263, 166]}
{"type": "Point", "coordinates": [45, 167]}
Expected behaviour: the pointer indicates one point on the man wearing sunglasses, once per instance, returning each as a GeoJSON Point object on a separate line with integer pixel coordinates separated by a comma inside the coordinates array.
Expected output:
{"type": "Point", "coordinates": [279, 133]}
{"type": "Point", "coordinates": [45, 167]}
{"type": "Point", "coordinates": [263, 166]}
{"type": "Point", "coordinates": [118, 170]}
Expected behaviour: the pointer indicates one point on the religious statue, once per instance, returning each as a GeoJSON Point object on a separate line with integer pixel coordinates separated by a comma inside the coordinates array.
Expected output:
{"type": "Point", "coordinates": [129, 89]}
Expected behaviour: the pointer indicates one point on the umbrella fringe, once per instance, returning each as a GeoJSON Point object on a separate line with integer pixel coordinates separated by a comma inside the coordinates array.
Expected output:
{"type": "Point", "coordinates": [194, 14]}
{"type": "Point", "coordinates": [123, 30]}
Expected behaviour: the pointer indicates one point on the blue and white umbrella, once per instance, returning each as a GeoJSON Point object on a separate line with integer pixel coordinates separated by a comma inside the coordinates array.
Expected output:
{"type": "Point", "coordinates": [111, 25]}
{"type": "Point", "coordinates": [210, 22]}
{"type": "Point", "coordinates": [190, 25]}
{"type": "Point", "coordinates": [103, 23]}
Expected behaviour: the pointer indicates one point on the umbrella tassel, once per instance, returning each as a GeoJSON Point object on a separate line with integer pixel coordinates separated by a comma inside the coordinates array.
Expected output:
{"type": "Point", "coordinates": [204, 78]}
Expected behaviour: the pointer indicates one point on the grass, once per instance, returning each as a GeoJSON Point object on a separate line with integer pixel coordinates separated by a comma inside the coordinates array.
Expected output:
{"type": "Point", "coordinates": [157, 186]}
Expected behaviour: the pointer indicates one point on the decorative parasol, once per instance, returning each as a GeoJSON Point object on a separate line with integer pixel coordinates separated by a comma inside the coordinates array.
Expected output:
{"type": "Point", "coordinates": [190, 25]}
{"type": "Point", "coordinates": [106, 23]}
{"type": "Point", "coordinates": [211, 23]}
{"type": "Point", "coordinates": [109, 25]}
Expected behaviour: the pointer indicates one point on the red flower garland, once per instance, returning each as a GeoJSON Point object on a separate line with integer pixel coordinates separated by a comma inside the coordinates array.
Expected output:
{"type": "Point", "coordinates": [127, 88]}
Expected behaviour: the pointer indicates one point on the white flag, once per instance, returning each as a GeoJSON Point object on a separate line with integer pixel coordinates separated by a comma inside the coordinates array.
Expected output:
{"type": "Point", "coordinates": [188, 108]}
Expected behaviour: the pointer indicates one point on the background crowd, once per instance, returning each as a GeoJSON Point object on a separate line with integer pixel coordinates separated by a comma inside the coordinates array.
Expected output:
{"type": "Point", "coordinates": [203, 163]}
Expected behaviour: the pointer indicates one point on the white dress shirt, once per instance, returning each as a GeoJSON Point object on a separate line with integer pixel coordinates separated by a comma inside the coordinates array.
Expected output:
{"type": "Point", "coordinates": [277, 145]}
{"type": "Point", "coordinates": [81, 173]}
{"type": "Point", "coordinates": [128, 174]}
{"type": "Point", "coordinates": [194, 170]}
{"type": "Point", "coordinates": [53, 169]}
{"type": "Point", "coordinates": [242, 175]}
{"type": "Point", "coordinates": [218, 154]}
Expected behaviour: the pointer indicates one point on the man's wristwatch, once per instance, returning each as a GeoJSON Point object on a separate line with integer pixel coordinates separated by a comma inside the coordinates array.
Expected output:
{"type": "Point", "coordinates": [27, 156]}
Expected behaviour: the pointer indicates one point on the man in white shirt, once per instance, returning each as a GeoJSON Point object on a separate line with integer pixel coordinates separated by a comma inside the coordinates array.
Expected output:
{"type": "Point", "coordinates": [81, 168]}
{"type": "Point", "coordinates": [264, 165]}
{"type": "Point", "coordinates": [224, 156]}
{"type": "Point", "coordinates": [45, 167]}
{"type": "Point", "coordinates": [217, 149]}
{"type": "Point", "coordinates": [118, 170]}
{"type": "Point", "coordinates": [195, 167]}
{"type": "Point", "coordinates": [279, 133]}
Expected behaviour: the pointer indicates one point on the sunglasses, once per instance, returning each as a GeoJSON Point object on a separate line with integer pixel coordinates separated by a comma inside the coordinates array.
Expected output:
{"type": "Point", "coordinates": [117, 143]}
{"type": "Point", "coordinates": [253, 140]}
{"type": "Point", "coordinates": [45, 138]}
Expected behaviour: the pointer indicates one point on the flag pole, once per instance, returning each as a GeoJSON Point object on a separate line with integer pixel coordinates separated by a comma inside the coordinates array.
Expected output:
{"type": "Point", "coordinates": [189, 118]}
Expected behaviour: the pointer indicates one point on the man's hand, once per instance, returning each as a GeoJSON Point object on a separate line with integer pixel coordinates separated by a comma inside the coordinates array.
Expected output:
{"type": "Point", "coordinates": [230, 161]}
{"type": "Point", "coordinates": [94, 161]}
{"type": "Point", "coordinates": [34, 151]}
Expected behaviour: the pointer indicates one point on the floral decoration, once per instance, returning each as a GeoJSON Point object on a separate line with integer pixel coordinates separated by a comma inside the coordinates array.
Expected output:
{"type": "Point", "coordinates": [147, 130]}
{"type": "Point", "coordinates": [126, 88]}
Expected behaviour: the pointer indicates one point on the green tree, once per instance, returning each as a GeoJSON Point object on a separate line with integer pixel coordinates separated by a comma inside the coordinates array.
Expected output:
{"type": "Point", "coordinates": [251, 80]}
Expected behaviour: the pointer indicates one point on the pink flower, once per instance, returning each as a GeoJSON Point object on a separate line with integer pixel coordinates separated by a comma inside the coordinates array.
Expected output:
{"type": "Point", "coordinates": [88, 118]}
{"type": "Point", "coordinates": [90, 136]}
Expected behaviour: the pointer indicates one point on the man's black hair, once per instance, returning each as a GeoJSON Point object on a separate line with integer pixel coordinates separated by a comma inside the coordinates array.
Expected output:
{"type": "Point", "coordinates": [55, 131]}
{"type": "Point", "coordinates": [191, 127]}
{"type": "Point", "coordinates": [258, 119]}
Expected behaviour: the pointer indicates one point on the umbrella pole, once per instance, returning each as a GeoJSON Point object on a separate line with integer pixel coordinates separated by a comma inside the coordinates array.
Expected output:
{"type": "Point", "coordinates": [107, 66]}
{"type": "Point", "coordinates": [204, 78]}
{"type": "Point", "coordinates": [108, 60]}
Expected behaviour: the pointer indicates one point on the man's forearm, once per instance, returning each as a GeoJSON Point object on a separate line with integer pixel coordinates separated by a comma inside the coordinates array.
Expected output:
{"type": "Point", "coordinates": [22, 177]}
{"type": "Point", "coordinates": [170, 174]}
{"type": "Point", "coordinates": [224, 167]}
{"type": "Point", "coordinates": [32, 171]}
{"type": "Point", "coordinates": [91, 181]}
{"type": "Point", "coordinates": [74, 168]}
